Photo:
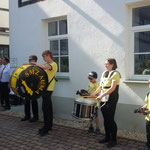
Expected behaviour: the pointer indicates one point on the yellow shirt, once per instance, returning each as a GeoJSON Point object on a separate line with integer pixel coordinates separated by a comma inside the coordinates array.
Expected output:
{"type": "Point", "coordinates": [147, 100]}
{"type": "Point", "coordinates": [51, 74]}
{"type": "Point", "coordinates": [92, 87]}
{"type": "Point", "coordinates": [106, 82]}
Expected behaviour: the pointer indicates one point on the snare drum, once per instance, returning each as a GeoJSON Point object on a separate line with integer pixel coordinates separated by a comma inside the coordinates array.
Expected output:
{"type": "Point", "coordinates": [84, 108]}
{"type": "Point", "coordinates": [29, 81]}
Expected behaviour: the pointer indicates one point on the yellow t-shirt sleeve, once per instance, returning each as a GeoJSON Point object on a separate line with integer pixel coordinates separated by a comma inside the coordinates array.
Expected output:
{"type": "Point", "coordinates": [116, 77]}
{"type": "Point", "coordinates": [146, 99]}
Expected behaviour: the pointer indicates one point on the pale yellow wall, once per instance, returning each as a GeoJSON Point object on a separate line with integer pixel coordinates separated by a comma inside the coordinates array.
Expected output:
{"type": "Point", "coordinates": [4, 21]}
{"type": "Point", "coordinates": [4, 39]}
{"type": "Point", "coordinates": [4, 4]}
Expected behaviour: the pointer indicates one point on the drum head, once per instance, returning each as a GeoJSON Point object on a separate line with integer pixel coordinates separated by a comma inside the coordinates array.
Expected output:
{"type": "Point", "coordinates": [86, 101]}
{"type": "Point", "coordinates": [31, 82]}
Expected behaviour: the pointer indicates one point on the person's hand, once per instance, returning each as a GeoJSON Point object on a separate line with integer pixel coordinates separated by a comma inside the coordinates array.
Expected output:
{"type": "Point", "coordinates": [92, 95]}
{"type": "Point", "coordinates": [99, 97]}
{"type": "Point", "coordinates": [33, 63]}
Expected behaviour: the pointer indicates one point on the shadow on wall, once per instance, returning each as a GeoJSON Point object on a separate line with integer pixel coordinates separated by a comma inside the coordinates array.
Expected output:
{"type": "Point", "coordinates": [94, 22]}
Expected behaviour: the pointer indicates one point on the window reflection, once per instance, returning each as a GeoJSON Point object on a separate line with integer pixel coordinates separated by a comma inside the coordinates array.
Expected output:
{"type": "Point", "coordinates": [63, 27]}
{"type": "Point", "coordinates": [52, 28]}
{"type": "Point", "coordinates": [64, 47]}
{"type": "Point", "coordinates": [142, 42]}
{"type": "Point", "coordinates": [54, 47]}
{"type": "Point", "coordinates": [142, 64]}
{"type": "Point", "coordinates": [64, 64]}
{"type": "Point", "coordinates": [140, 16]}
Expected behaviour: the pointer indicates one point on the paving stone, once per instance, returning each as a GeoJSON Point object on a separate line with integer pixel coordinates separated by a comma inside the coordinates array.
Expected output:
{"type": "Point", "coordinates": [18, 135]}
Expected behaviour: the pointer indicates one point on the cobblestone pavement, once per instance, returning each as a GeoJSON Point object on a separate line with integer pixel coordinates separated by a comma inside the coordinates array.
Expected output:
{"type": "Point", "coordinates": [18, 135]}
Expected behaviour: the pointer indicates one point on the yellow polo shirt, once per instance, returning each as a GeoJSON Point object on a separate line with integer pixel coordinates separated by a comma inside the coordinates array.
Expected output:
{"type": "Point", "coordinates": [92, 87]}
{"type": "Point", "coordinates": [51, 74]}
{"type": "Point", "coordinates": [107, 81]}
{"type": "Point", "coordinates": [147, 100]}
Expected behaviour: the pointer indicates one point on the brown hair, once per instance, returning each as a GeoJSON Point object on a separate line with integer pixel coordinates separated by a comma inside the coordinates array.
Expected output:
{"type": "Point", "coordinates": [33, 57]}
{"type": "Point", "coordinates": [113, 62]}
{"type": "Point", "coordinates": [48, 52]}
{"type": "Point", "coordinates": [6, 59]}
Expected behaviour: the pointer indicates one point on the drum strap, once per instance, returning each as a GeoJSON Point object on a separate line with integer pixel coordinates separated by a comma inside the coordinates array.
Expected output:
{"type": "Point", "coordinates": [51, 81]}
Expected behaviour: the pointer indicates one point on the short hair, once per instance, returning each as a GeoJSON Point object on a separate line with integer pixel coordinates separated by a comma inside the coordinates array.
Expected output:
{"type": "Point", "coordinates": [6, 59]}
{"type": "Point", "coordinates": [48, 52]}
{"type": "Point", "coordinates": [33, 57]}
{"type": "Point", "coordinates": [113, 62]}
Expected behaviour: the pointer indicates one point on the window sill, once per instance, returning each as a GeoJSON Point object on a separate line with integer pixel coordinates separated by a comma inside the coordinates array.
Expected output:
{"type": "Point", "coordinates": [136, 81]}
{"type": "Point", "coordinates": [62, 77]}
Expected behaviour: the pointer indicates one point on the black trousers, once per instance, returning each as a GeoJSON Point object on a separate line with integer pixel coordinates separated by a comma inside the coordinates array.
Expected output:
{"type": "Point", "coordinates": [148, 133]}
{"type": "Point", "coordinates": [27, 109]}
{"type": "Point", "coordinates": [5, 93]}
{"type": "Point", "coordinates": [47, 110]}
{"type": "Point", "coordinates": [108, 111]}
{"type": "Point", "coordinates": [1, 99]}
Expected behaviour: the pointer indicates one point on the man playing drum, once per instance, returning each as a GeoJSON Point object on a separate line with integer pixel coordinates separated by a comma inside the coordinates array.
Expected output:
{"type": "Point", "coordinates": [32, 58]}
{"type": "Point", "coordinates": [92, 86]}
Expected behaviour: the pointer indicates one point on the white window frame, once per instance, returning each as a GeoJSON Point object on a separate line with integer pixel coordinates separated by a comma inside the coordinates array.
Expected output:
{"type": "Point", "coordinates": [64, 75]}
{"type": "Point", "coordinates": [133, 30]}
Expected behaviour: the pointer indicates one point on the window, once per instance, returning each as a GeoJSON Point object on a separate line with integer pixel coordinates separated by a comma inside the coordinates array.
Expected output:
{"type": "Point", "coordinates": [141, 40]}
{"type": "Point", "coordinates": [4, 51]}
{"type": "Point", "coordinates": [22, 3]}
{"type": "Point", "coordinates": [58, 43]}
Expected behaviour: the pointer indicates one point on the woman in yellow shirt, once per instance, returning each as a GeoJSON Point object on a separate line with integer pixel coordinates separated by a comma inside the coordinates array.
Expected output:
{"type": "Point", "coordinates": [109, 87]}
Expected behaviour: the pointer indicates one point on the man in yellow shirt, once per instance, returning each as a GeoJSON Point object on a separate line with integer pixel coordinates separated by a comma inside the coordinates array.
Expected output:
{"type": "Point", "coordinates": [51, 68]}
{"type": "Point", "coordinates": [147, 118]}
{"type": "Point", "coordinates": [92, 86]}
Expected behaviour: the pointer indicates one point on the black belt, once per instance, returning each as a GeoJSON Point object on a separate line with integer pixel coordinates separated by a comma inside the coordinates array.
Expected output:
{"type": "Point", "coordinates": [105, 87]}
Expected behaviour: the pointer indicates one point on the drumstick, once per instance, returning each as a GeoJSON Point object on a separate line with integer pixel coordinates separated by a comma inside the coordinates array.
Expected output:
{"type": "Point", "coordinates": [88, 96]}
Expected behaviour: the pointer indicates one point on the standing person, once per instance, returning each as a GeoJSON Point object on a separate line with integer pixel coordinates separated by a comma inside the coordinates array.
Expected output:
{"type": "Point", "coordinates": [109, 87]}
{"type": "Point", "coordinates": [32, 58]}
{"type": "Point", "coordinates": [92, 86]}
{"type": "Point", "coordinates": [147, 118]}
{"type": "Point", "coordinates": [4, 79]}
{"type": "Point", "coordinates": [51, 68]}
{"type": "Point", "coordinates": [1, 68]}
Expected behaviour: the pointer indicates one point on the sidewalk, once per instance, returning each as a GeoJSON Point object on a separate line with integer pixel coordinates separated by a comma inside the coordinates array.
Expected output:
{"type": "Point", "coordinates": [18, 135]}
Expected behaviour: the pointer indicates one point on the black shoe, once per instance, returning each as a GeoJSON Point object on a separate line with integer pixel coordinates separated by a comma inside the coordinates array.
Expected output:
{"type": "Point", "coordinates": [111, 144]}
{"type": "Point", "coordinates": [33, 119]}
{"type": "Point", "coordinates": [96, 132]}
{"type": "Point", "coordinates": [43, 129]}
{"type": "Point", "coordinates": [43, 132]}
{"type": "Point", "coordinates": [90, 130]}
{"type": "Point", "coordinates": [105, 140]}
{"type": "Point", "coordinates": [144, 148]}
{"type": "Point", "coordinates": [25, 119]}
{"type": "Point", "coordinates": [6, 107]}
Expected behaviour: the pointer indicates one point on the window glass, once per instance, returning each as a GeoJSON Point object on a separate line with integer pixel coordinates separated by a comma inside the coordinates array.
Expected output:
{"type": "Point", "coordinates": [4, 51]}
{"type": "Point", "coordinates": [63, 27]}
{"type": "Point", "coordinates": [141, 16]}
{"type": "Point", "coordinates": [64, 47]}
{"type": "Point", "coordinates": [142, 42]}
{"type": "Point", "coordinates": [142, 64]}
{"type": "Point", "coordinates": [59, 44]}
{"type": "Point", "coordinates": [54, 47]}
{"type": "Point", "coordinates": [64, 64]}
{"type": "Point", "coordinates": [52, 28]}
{"type": "Point", "coordinates": [56, 59]}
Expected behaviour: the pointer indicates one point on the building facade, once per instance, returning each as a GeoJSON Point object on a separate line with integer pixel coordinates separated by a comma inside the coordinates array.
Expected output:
{"type": "Point", "coordinates": [81, 35]}
{"type": "Point", "coordinates": [4, 28]}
